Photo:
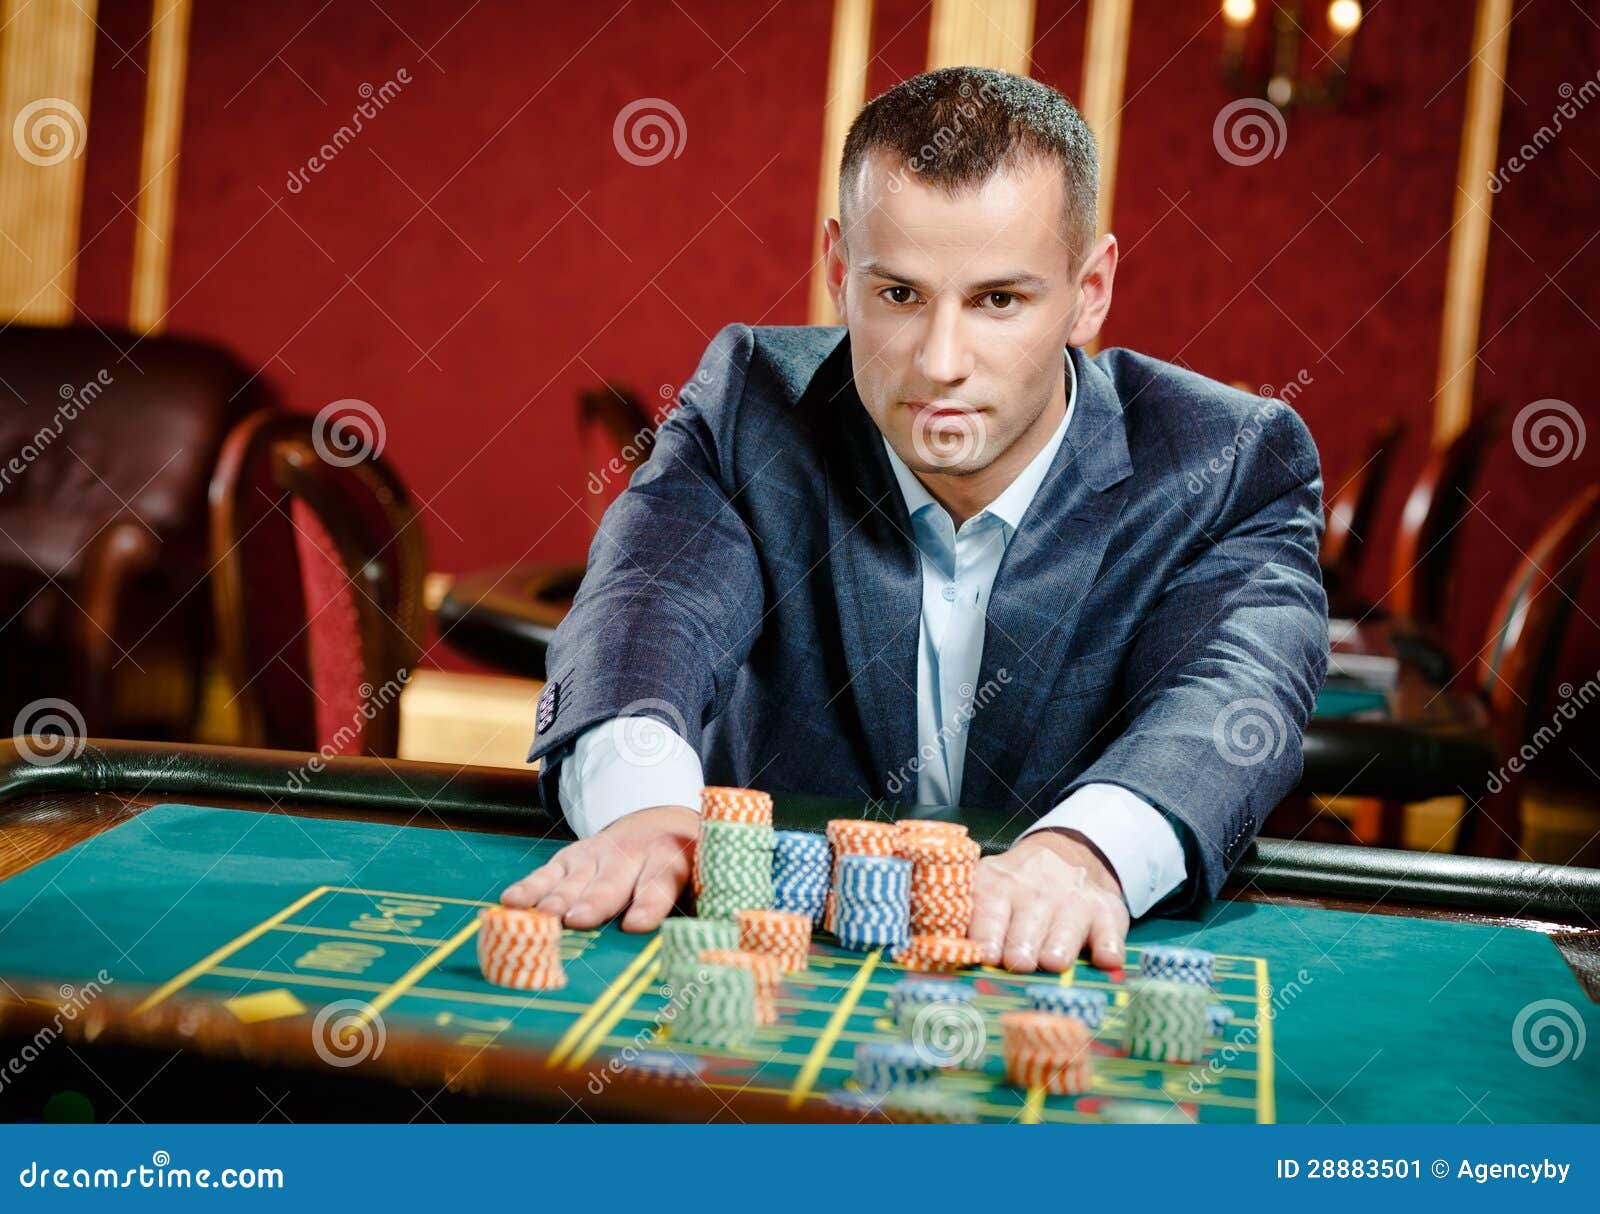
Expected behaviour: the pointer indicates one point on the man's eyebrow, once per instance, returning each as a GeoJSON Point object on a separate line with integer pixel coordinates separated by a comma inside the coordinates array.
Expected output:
{"type": "Point", "coordinates": [1015, 278]}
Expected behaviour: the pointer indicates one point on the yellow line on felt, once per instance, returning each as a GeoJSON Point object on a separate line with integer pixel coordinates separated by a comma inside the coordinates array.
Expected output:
{"type": "Point", "coordinates": [345, 934]}
{"type": "Point", "coordinates": [580, 1026]}
{"type": "Point", "coordinates": [1267, 1112]}
{"type": "Point", "coordinates": [537, 1002]}
{"type": "Point", "coordinates": [609, 1020]}
{"type": "Point", "coordinates": [852, 996]}
{"type": "Point", "coordinates": [412, 976]}
{"type": "Point", "coordinates": [227, 950]}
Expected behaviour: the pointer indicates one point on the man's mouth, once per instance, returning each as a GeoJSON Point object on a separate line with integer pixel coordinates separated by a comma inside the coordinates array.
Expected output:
{"type": "Point", "coordinates": [941, 410]}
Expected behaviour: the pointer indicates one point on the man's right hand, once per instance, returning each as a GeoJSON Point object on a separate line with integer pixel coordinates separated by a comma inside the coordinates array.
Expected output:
{"type": "Point", "coordinates": [639, 863]}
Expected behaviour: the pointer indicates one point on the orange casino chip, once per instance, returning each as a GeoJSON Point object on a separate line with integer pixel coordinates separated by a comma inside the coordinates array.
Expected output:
{"type": "Point", "coordinates": [765, 970]}
{"type": "Point", "coordinates": [936, 953]}
{"type": "Point", "coordinates": [517, 921]}
{"type": "Point", "coordinates": [860, 837]}
{"type": "Point", "coordinates": [1046, 1050]}
{"type": "Point", "coordinates": [746, 805]}
{"type": "Point", "coordinates": [520, 949]}
{"type": "Point", "coordinates": [784, 935]}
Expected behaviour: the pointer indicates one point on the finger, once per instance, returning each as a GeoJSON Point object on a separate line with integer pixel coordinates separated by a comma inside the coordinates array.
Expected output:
{"type": "Point", "coordinates": [1064, 941]}
{"type": "Point", "coordinates": [991, 913]}
{"type": "Point", "coordinates": [608, 889]}
{"type": "Point", "coordinates": [1108, 934]}
{"type": "Point", "coordinates": [579, 870]}
{"type": "Point", "coordinates": [536, 884]}
{"type": "Point", "coordinates": [660, 882]}
{"type": "Point", "coordinates": [1029, 921]}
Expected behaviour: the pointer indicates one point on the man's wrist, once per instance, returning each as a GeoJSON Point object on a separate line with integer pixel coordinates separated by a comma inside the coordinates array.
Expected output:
{"type": "Point", "coordinates": [1075, 848]}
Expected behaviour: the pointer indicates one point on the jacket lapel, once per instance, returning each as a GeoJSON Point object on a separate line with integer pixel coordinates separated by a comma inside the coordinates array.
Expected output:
{"type": "Point", "coordinates": [877, 581]}
{"type": "Point", "coordinates": [1045, 576]}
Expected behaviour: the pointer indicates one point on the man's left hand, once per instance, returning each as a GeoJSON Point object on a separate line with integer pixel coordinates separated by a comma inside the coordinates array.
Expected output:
{"type": "Point", "coordinates": [1038, 905]}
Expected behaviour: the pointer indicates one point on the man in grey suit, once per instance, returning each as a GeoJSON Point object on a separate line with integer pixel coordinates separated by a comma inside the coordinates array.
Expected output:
{"type": "Point", "coordinates": [941, 556]}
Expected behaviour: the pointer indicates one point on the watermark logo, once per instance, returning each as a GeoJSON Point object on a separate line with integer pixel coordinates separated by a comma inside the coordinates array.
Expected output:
{"type": "Point", "coordinates": [1548, 1033]}
{"type": "Point", "coordinates": [348, 1032]}
{"type": "Point", "coordinates": [641, 737]}
{"type": "Point", "coordinates": [49, 731]}
{"type": "Point", "coordinates": [348, 431]}
{"type": "Point", "coordinates": [373, 101]}
{"type": "Point", "coordinates": [648, 131]}
{"type": "Point", "coordinates": [949, 1034]}
{"type": "Point", "coordinates": [1248, 732]}
{"type": "Point", "coordinates": [1249, 131]}
{"type": "Point", "coordinates": [948, 441]}
{"type": "Point", "coordinates": [1548, 432]}
{"type": "Point", "coordinates": [48, 131]}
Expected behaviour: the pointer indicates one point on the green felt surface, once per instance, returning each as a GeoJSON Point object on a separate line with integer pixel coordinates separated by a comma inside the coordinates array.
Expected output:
{"type": "Point", "coordinates": [1348, 701]}
{"type": "Point", "coordinates": [1371, 1017]}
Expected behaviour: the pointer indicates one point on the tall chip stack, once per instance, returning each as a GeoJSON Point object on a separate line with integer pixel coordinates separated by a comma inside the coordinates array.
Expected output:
{"type": "Point", "coordinates": [1170, 1005]}
{"type": "Point", "coordinates": [856, 837]}
{"type": "Point", "coordinates": [943, 863]}
{"type": "Point", "coordinates": [733, 858]}
{"type": "Point", "coordinates": [718, 1009]}
{"type": "Point", "coordinates": [872, 902]}
{"type": "Point", "coordinates": [800, 870]}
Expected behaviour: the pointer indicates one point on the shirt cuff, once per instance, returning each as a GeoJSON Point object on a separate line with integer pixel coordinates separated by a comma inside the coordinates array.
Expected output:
{"type": "Point", "coordinates": [1136, 839]}
{"type": "Point", "coordinates": [625, 764]}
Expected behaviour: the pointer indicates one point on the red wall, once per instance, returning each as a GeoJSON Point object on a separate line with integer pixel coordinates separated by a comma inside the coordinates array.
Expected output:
{"type": "Point", "coordinates": [482, 252]}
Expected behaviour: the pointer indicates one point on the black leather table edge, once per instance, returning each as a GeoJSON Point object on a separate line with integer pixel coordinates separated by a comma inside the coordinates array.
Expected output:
{"type": "Point", "coordinates": [507, 800]}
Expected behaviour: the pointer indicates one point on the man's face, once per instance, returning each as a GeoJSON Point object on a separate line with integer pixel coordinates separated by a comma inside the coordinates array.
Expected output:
{"type": "Point", "coordinates": [958, 310]}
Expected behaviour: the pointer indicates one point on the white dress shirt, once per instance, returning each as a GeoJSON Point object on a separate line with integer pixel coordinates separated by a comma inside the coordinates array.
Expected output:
{"type": "Point", "coordinates": [633, 763]}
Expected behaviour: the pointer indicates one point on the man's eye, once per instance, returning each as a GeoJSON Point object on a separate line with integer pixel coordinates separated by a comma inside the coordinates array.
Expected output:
{"type": "Point", "coordinates": [1001, 300]}
{"type": "Point", "coordinates": [889, 292]}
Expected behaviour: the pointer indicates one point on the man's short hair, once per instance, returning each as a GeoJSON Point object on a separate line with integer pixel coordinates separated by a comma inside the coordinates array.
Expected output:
{"type": "Point", "coordinates": [955, 127]}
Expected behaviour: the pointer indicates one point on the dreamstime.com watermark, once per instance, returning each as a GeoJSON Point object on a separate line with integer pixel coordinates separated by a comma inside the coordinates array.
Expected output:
{"type": "Point", "coordinates": [348, 734]}
{"type": "Point", "coordinates": [1572, 701]}
{"type": "Point", "coordinates": [373, 102]}
{"type": "Point", "coordinates": [73, 402]}
{"type": "Point", "coordinates": [73, 1001]}
{"type": "Point", "coordinates": [1275, 401]}
{"type": "Point", "coordinates": [1546, 134]}
{"type": "Point", "coordinates": [642, 1042]}
{"type": "Point", "coordinates": [47, 131]}
{"type": "Point", "coordinates": [932, 751]}
{"type": "Point", "coordinates": [157, 1174]}
{"type": "Point", "coordinates": [1245, 1038]}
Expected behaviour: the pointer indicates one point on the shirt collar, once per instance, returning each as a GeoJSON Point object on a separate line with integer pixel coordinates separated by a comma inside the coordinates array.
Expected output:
{"type": "Point", "coordinates": [1013, 503]}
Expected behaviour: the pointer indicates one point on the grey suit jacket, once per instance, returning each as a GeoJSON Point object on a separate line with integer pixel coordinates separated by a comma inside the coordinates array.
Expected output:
{"type": "Point", "coordinates": [1158, 621]}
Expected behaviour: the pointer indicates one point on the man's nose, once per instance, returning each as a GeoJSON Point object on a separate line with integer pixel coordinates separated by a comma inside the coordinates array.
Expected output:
{"type": "Point", "coordinates": [946, 354]}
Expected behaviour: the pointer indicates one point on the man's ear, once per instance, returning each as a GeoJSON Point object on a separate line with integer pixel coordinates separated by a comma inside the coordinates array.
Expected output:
{"type": "Point", "coordinates": [1094, 283]}
{"type": "Point", "coordinates": [835, 267]}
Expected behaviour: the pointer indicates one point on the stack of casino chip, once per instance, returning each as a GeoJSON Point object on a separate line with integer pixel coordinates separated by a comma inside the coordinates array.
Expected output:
{"type": "Point", "coordinates": [718, 1008]}
{"type": "Point", "coordinates": [855, 837]}
{"type": "Point", "coordinates": [733, 858]}
{"type": "Point", "coordinates": [1046, 1050]}
{"type": "Point", "coordinates": [763, 969]}
{"type": "Point", "coordinates": [684, 939]}
{"type": "Point", "coordinates": [1167, 1021]}
{"type": "Point", "coordinates": [800, 870]}
{"type": "Point", "coordinates": [910, 996]}
{"type": "Point", "coordinates": [1169, 962]}
{"type": "Point", "coordinates": [872, 902]}
{"type": "Point", "coordinates": [885, 1065]}
{"type": "Point", "coordinates": [943, 863]}
{"type": "Point", "coordinates": [784, 935]}
{"type": "Point", "coordinates": [520, 949]}
{"type": "Point", "coordinates": [1087, 1005]}
{"type": "Point", "coordinates": [939, 954]}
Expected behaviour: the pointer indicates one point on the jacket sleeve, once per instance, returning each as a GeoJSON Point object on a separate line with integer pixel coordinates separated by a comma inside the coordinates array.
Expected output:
{"type": "Point", "coordinates": [1224, 674]}
{"type": "Point", "coordinates": [672, 596]}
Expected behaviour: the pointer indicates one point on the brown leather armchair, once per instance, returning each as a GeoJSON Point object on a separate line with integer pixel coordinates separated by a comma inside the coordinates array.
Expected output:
{"type": "Point", "coordinates": [107, 442]}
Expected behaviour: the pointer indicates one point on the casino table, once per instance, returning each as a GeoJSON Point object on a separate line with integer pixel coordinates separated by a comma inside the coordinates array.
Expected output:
{"type": "Point", "coordinates": [200, 933]}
